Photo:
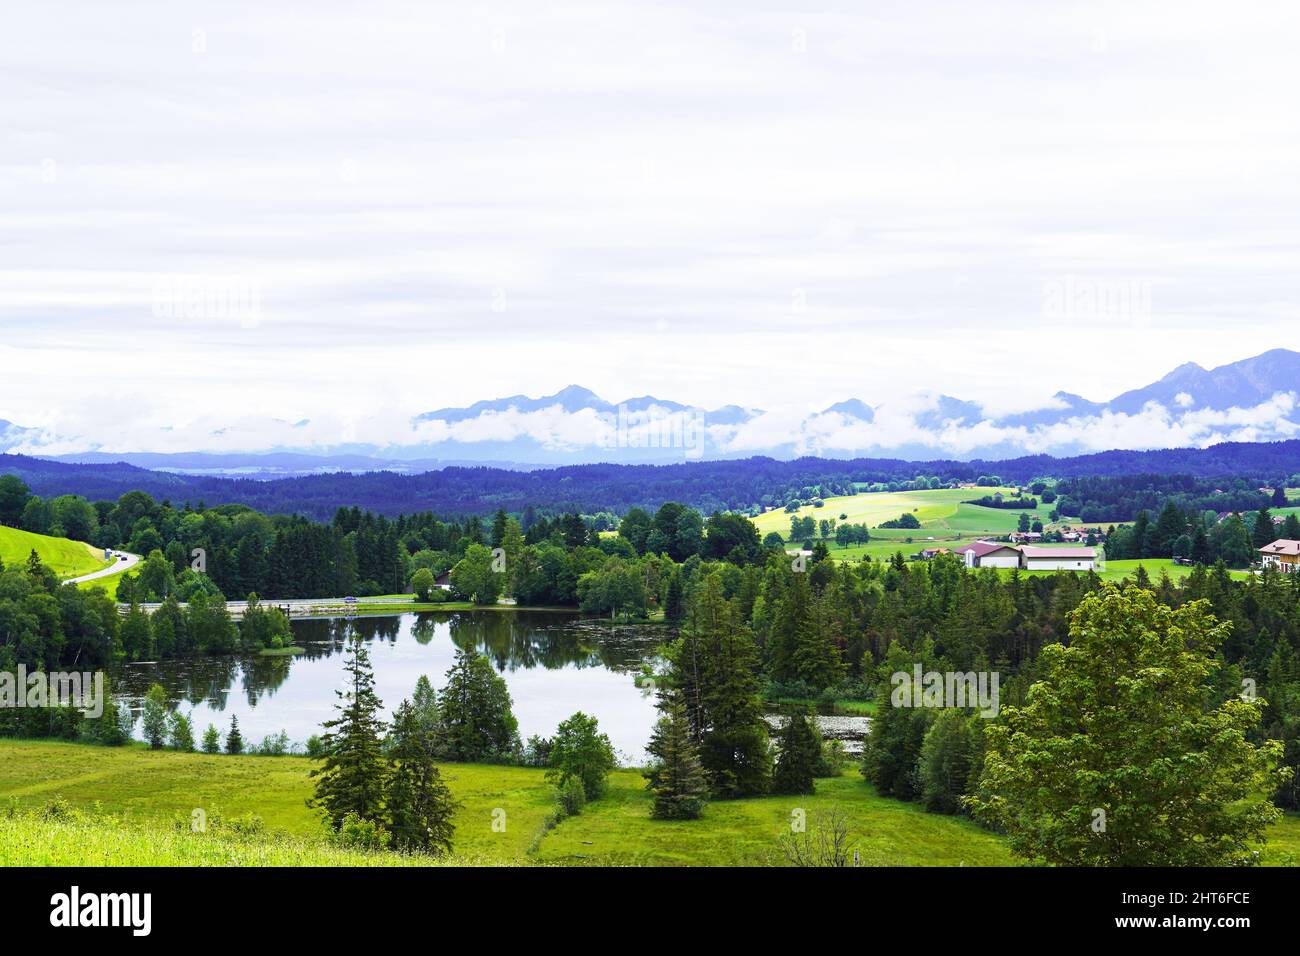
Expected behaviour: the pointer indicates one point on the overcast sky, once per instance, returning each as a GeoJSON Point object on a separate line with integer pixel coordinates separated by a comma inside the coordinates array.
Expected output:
{"type": "Point", "coordinates": [409, 206]}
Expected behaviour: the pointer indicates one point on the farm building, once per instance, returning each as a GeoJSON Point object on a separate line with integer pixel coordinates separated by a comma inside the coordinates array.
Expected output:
{"type": "Point", "coordinates": [1058, 559]}
{"type": "Point", "coordinates": [1283, 554]}
{"type": "Point", "coordinates": [991, 554]}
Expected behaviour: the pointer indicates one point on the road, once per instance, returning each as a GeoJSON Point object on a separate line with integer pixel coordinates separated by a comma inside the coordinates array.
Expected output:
{"type": "Point", "coordinates": [117, 567]}
{"type": "Point", "coordinates": [303, 607]}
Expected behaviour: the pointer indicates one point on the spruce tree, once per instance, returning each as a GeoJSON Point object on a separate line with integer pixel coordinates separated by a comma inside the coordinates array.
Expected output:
{"type": "Point", "coordinates": [234, 741]}
{"type": "Point", "coordinates": [476, 712]}
{"type": "Point", "coordinates": [799, 754]}
{"type": "Point", "coordinates": [212, 740]}
{"type": "Point", "coordinates": [419, 804]}
{"type": "Point", "coordinates": [676, 778]}
{"type": "Point", "coordinates": [351, 777]}
{"type": "Point", "coordinates": [716, 665]}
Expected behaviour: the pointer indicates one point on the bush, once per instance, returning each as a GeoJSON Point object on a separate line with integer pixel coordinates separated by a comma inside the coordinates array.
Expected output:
{"type": "Point", "coordinates": [355, 833]}
{"type": "Point", "coordinates": [572, 797]}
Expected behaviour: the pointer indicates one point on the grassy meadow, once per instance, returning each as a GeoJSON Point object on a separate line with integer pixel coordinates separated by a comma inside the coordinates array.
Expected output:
{"type": "Point", "coordinates": [132, 797]}
{"type": "Point", "coordinates": [67, 558]}
{"type": "Point", "coordinates": [947, 521]}
{"type": "Point", "coordinates": [146, 790]}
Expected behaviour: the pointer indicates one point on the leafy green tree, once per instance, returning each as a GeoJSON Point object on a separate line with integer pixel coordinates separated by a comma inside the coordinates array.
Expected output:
{"type": "Point", "coordinates": [180, 732]}
{"type": "Point", "coordinates": [13, 499]}
{"type": "Point", "coordinates": [136, 635]}
{"type": "Point", "coordinates": [419, 804]}
{"type": "Point", "coordinates": [422, 582]}
{"type": "Point", "coordinates": [580, 751]}
{"type": "Point", "coordinates": [676, 777]}
{"type": "Point", "coordinates": [473, 578]}
{"type": "Point", "coordinates": [263, 627]}
{"type": "Point", "coordinates": [351, 778]}
{"type": "Point", "coordinates": [477, 718]}
{"type": "Point", "coordinates": [1117, 759]}
{"type": "Point", "coordinates": [155, 717]}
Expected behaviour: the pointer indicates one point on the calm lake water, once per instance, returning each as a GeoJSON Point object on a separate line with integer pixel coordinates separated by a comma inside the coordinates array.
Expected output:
{"type": "Point", "coordinates": [554, 663]}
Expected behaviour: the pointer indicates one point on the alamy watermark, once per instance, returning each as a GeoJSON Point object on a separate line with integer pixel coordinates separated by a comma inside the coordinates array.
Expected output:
{"type": "Point", "coordinates": [1124, 300]}
{"type": "Point", "coordinates": [977, 689]}
{"type": "Point", "coordinates": [654, 427]}
{"type": "Point", "coordinates": [209, 298]}
{"type": "Point", "coordinates": [84, 691]}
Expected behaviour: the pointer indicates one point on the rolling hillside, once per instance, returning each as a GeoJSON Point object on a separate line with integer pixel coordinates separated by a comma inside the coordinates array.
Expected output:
{"type": "Point", "coordinates": [68, 558]}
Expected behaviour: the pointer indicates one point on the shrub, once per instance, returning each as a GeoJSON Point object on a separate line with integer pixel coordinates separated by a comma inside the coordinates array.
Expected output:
{"type": "Point", "coordinates": [572, 797]}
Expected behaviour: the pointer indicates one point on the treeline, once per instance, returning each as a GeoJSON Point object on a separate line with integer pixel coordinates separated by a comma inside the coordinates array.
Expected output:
{"type": "Point", "coordinates": [841, 630]}
{"type": "Point", "coordinates": [1201, 537]}
{"type": "Point", "coordinates": [1120, 498]}
{"type": "Point", "coordinates": [45, 624]}
{"type": "Point", "coordinates": [744, 485]}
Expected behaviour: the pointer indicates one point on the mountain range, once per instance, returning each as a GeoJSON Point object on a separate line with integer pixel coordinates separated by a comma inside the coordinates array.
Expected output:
{"type": "Point", "coordinates": [1252, 400]}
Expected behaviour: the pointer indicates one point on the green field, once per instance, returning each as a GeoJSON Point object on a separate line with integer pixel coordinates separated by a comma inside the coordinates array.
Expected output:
{"type": "Point", "coordinates": [147, 787]}
{"type": "Point", "coordinates": [68, 559]}
{"type": "Point", "coordinates": [946, 520]}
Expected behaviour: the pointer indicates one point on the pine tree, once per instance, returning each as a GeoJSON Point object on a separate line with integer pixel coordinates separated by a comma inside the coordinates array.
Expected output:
{"type": "Point", "coordinates": [800, 752]}
{"type": "Point", "coordinates": [419, 804]}
{"type": "Point", "coordinates": [476, 711]}
{"type": "Point", "coordinates": [234, 740]}
{"type": "Point", "coordinates": [351, 777]}
{"type": "Point", "coordinates": [717, 668]}
{"type": "Point", "coordinates": [212, 740]}
{"type": "Point", "coordinates": [676, 778]}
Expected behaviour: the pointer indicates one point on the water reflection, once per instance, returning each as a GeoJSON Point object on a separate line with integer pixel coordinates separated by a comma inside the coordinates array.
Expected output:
{"type": "Point", "coordinates": [553, 663]}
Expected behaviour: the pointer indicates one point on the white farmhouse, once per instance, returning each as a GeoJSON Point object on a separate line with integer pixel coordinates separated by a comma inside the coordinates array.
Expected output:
{"type": "Point", "coordinates": [1057, 559]}
{"type": "Point", "coordinates": [991, 554]}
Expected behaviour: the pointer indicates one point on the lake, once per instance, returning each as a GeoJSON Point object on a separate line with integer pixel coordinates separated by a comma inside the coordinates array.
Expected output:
{"type": "Point", "coordinates": [554, 663]}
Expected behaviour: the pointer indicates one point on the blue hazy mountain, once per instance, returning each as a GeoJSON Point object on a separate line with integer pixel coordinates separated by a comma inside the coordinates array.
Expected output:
{"type": "Point", "coordinates": [576, 426]}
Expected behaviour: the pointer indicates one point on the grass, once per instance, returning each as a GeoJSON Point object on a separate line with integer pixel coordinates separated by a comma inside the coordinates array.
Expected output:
{"type": "Point", "coordinates": [946, 520]}
{"type": "Point", "coordinates": [1155, 567]}
{"type": "Point", "coordinates": [130, 797]}
{"type": "Point", "coordinates": [31, 839]}
{"type": "Point", "coordinates": [147, 789]}
{"type": "Point", "coordinates": [67, 558]}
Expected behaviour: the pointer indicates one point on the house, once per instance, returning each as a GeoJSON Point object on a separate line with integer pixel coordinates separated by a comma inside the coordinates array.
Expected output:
{"type": "Point", "coordinates": [929, 553]}
{"type": "Point", "coordinates": [991, 554]}
{"type": "Point", "coordinates": [1020, 536]}
{"type": "Point", "coordinates": [1058, 559]}
{"type": "Point", "coordinates": [1283, 554]}
{"type": "Point", "coordinates": [443, 580]}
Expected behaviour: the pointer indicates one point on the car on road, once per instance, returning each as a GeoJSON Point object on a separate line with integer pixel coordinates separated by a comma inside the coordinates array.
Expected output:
{"type": "Point", "coordinates": [349, 600]}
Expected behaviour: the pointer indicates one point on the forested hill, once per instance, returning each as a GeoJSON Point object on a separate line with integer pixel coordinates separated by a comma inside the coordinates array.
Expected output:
{"type": "Point", "coordinates": [705, 485]}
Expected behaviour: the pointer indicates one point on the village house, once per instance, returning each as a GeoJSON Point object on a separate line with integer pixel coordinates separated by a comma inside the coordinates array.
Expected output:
{"type": "Point", "coordinates": [1282, 554]}
{"type": "Point", "coordinates": [991, 554]}
{"type": "Point", "coordinates": [1022, 536]}
{"type": "Point", "coordinates": [1058, 559]}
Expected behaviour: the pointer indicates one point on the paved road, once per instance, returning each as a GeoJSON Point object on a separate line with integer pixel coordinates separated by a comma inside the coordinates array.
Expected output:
{"type": "Point", "coordinates": [301, 607]}
{"type": "Point", "coordinates": [117, 567]}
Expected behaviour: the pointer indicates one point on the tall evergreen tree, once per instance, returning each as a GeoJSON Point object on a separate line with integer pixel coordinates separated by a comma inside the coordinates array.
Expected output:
{"type": "Point", "coordinates": [800, 750]}
{"type": "Point", "coordinates": [716, 665]}
{"type": "Point", "coordinates": [676, 778]}
{"type": "Point", "coordinates": [419, 804]}
{"type": "Point", "coordinates": [476, 712]}
{"type": "Point", "coordinates": [351, 778]}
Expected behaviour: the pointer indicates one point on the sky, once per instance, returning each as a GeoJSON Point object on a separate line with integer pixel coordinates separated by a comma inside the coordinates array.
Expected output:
{"type": "Point", "coordinates": [219, 220]}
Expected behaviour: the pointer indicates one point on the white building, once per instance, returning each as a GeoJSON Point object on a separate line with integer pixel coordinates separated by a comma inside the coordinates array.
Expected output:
{"type": "Point", "coordinates": [1057, 559]}
{"type": "Point", "coordinates": [991, 554]}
